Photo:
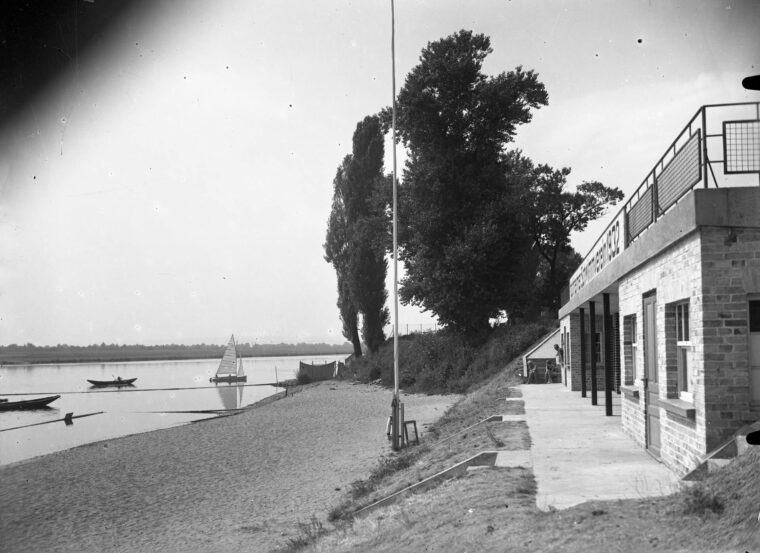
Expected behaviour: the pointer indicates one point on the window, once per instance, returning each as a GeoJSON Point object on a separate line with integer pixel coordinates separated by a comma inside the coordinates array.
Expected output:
{"type": "Point", "coordinates": [598, 347]}
{"type": "Point", "coordinates": [754, 316]}
{"type": "Point", "coordinates": [630, 348]}
{"type": "Point", "coordinates": [682, 350]}
{"type": "Point", "coordinates": [634, 347]}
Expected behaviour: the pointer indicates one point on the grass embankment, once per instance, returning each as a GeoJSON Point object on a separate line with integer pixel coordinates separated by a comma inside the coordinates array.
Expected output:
{"type": "Point", "coordinates": [494, 509]}
{"type": "Point", "coordinates": [446, 362]}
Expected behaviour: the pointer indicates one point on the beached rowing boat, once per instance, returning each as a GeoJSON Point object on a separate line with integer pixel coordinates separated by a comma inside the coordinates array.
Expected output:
{"type": "Point", "coordinates": [118, 382]}
{"type": "Point", "coordinates": [230, 368]}
{"type": "Point", "coordinates": [38, 403]}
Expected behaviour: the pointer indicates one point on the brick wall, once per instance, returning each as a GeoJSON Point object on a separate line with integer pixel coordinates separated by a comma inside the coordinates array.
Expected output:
{"type": "Point", "coordinates": [674, 275]}
{"type": "Point", "coordinates": [730, 270]}
{"type": "Point", "coordinates": [573, 357]}
{"type": "Point", "coordinates": [572, 323]}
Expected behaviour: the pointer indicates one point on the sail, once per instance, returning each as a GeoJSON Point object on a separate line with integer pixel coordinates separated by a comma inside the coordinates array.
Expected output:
{"type": "Point", "coordinates": [227, 365]}
{"type": "Point", "coordinates": [240, 371]}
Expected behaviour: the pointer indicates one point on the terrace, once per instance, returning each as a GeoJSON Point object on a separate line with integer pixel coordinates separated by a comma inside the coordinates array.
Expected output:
{"type": "Point", "coordinates": [718, 148]}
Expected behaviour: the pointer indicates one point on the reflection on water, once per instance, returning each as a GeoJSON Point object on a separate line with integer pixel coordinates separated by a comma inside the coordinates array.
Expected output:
{"type": "Point", "coordinates": [165, 394]}
{"type": "Point", "coordinates": [231, 395]}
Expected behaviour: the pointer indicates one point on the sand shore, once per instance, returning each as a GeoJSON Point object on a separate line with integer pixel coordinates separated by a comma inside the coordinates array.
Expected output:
{"type": "Point", "coordinates": [238, 483]}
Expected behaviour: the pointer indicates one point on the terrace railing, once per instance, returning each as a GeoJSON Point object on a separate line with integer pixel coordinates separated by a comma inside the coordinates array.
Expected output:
{"type": "Point", "coordinates": [719, 146]}
{"type": "Point", "coordinates": [711, 147]}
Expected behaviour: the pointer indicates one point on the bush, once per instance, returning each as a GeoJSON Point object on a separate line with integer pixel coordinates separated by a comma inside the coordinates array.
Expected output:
{"type": "Point", "coordinates": [302, 377]}
{"type": "Point", "coordinates": [446, 361]}
{"type": "Point", "coordinates": [699, 499]}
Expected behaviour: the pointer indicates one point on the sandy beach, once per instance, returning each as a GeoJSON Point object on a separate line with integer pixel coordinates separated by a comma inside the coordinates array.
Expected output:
{"type": "Point", "coordinates": [238, 483]}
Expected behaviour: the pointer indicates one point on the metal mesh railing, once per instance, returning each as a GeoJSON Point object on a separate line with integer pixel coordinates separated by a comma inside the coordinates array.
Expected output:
{"type": "Point", "coordinates": [640, 215]}
{"type": "Point", "coordinates": [690, 160]}
{"type": "Point", "coordinates": [741, 152]}
{"type": "Point", "coordinates": [728, 130]}
{"type": "Point", "coordinates": [681, 174]}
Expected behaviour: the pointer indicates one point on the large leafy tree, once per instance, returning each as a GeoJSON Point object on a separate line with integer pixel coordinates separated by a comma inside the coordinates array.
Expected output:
{"type": "Point", "coordinates": [360, 211]}
{"type": "Point", "coordinates": [462, 235]}
{"type": "Point", "coordinates": [554, 213]}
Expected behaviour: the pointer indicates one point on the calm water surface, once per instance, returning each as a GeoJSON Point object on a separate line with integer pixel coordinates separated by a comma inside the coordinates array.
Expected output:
{"type": "Point", "coordinates": [161, 397]}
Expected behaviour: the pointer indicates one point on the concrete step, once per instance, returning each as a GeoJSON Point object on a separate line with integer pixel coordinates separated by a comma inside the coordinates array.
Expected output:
{"type": "Point", "coordinates": [714, 465]}
{"type": "Point", "coordinates": [724, 453]}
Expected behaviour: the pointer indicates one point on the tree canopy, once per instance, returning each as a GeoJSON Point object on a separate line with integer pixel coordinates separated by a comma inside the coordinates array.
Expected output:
{"type": "Point", "coordinates": [483, 231]}
{"type": "Point", "coordinates": [463, 239]}
{"type": "Point", "coordinates": [554, 213]}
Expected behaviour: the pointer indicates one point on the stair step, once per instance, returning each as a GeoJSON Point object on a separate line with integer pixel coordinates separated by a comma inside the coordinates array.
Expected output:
{"type": "Point", "coordinates": [716, 464]}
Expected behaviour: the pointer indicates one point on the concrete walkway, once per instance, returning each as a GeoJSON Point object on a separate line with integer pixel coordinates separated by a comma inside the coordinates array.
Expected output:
{"type": "Point", "coordinates": [579, 454]}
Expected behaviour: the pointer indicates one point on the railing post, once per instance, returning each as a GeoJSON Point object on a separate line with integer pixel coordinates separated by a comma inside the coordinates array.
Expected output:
{"type": "Point", "coordinates": [655, 200]}
{"type": "Point", "coordinates": [703, 171]}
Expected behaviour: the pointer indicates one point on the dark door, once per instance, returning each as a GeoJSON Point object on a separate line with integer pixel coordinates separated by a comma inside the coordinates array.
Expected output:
{"type": "Point", "coordinates": [651, 387]}
{"type": "Point", "coordinates": [754, 353]}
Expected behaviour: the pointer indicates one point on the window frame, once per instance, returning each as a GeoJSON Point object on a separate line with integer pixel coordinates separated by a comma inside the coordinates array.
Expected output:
{"type": "Point", "coordinates": [599, 342]}
{"type": "Point", "coordinates": [634, 347]}
{"type": "Point", "coordinates": [683, 347]}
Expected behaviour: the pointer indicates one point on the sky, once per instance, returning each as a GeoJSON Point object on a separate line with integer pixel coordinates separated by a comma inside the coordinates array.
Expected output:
{"type": "Point", "coordinates": [174, 184]}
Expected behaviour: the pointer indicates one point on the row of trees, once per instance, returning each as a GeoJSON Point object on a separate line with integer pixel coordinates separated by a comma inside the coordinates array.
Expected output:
{"type": "Point", "coordinates": [64, 353]}
{"type": "Point", "coordinates": [483, 231]}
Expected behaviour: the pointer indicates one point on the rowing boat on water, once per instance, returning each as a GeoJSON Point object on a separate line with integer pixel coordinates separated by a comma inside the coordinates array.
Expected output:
{"type": "Point", "coordinates": [37, 403]}
{"type": "Point", "coordinates": [118, 382]}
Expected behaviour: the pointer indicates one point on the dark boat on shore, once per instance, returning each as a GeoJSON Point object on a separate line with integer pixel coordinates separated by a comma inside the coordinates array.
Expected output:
{"type": "Point", "coordinates": [38, 403]}
{"type": "Point", "coordinates": [118, 382]}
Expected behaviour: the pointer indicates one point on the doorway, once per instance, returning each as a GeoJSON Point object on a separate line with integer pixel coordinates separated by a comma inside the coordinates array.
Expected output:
{"type": "Point", "coordinates": [651, 387]}
{"type": "Point", "coordinates": [754, 353]}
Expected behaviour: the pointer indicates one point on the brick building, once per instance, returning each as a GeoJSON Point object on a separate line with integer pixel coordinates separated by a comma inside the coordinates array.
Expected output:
{"type": "Point", "coordinates": [665, 308]}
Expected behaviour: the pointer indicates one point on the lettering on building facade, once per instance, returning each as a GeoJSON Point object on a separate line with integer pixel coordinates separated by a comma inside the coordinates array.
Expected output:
{"type": "Point", "coordinates": [605, 250]}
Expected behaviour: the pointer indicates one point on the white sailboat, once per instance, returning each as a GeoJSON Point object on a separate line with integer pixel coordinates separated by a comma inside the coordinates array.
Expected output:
{"type": "Point", "coordinates": [231, 367]}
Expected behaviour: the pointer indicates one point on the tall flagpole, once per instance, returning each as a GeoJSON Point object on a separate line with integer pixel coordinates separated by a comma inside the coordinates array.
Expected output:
{"type": "Point", "coordinates": [396, 404]}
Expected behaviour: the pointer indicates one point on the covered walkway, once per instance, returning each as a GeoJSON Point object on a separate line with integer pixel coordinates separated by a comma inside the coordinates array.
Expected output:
{"type": "Point", "coordinates": [578, 454]}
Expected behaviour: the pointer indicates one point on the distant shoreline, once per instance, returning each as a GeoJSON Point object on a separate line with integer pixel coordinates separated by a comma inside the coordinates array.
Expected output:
{"type": "Point", "coordinates": [35, 355]}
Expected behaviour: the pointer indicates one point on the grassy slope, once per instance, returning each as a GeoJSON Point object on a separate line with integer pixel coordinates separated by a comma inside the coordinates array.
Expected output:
{"type": "Point", "coordinates": [494, 509]}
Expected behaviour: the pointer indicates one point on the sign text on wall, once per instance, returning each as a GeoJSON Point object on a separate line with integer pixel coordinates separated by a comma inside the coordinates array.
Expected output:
{"type": "Point", "coordinates": [605, 250]}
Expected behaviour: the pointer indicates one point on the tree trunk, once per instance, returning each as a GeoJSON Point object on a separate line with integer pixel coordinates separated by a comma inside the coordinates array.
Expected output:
{"type": "Point", "coordinates": [356, 341]}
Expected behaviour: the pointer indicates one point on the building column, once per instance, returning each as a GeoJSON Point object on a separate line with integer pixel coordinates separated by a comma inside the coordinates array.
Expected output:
{"type": "Point", "coordinates": [583, 352]}
{"type": "Point", "coordinates": [617, 365]}
{"type": "Point", "coordinates": [607, 330]}
{"type": "Point", "coordinates": [592, 353]}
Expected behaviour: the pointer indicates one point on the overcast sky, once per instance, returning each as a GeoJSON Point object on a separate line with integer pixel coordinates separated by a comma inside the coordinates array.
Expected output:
{"type": "Point", "coordinates": [175, 184]}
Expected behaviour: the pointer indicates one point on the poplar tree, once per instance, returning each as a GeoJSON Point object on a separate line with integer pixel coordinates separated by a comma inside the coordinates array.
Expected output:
{"type": "Point", "coordinates": [337, 253]}
{"type": "Point", "coordinates": [360, 211]}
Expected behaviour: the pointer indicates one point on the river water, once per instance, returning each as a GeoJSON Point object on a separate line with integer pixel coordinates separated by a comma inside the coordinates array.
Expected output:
{"type": "Point", "coordinates": [161, 397]}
